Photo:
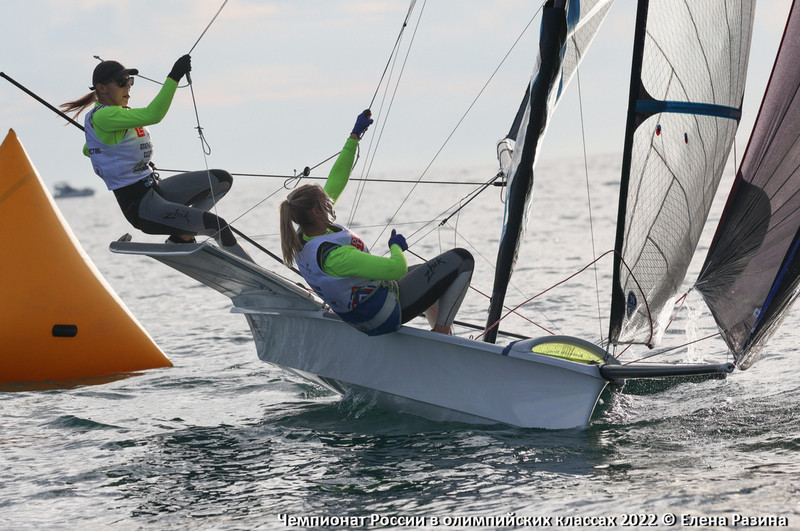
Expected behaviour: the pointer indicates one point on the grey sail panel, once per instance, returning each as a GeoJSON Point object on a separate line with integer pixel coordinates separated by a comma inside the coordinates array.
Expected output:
{"type": "Point", "coordinates": [687, 85]}
{"type": "Point", "coordinates": [750, 274]}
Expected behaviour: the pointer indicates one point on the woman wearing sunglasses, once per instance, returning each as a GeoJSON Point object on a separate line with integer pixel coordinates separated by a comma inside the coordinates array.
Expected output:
{"type": "Point", "coordinates": [119, 146]}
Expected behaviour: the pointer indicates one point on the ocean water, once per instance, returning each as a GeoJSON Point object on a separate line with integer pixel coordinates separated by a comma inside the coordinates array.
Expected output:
{"type": "Point", "coordinates": [224, 441]}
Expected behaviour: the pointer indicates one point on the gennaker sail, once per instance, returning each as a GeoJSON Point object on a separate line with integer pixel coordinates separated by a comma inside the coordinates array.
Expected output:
{"type": "Point", "coordinates": [751, 274]}
{"type": "Point", "coordinates": [567, 29]}
{"type": "Point", "coordinates": [687, 86]}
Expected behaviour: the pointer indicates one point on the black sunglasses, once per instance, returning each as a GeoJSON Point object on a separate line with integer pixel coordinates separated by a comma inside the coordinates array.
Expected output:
{"type": "Point", "coordinates": [122, 82]}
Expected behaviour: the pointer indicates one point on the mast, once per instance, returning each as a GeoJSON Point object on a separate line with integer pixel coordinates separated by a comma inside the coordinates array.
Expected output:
{"type": "Point", "coordinates": [551, 42]}
{"type": "Point", "coordinates": [617, 295]}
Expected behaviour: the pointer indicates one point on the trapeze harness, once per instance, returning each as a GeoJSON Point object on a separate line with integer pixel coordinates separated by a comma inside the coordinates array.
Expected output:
{"type": "Point", "coordinates": [370, 306]}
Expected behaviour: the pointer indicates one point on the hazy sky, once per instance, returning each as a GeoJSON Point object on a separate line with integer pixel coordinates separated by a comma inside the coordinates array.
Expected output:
{"type": "Point", "coordinates": [278, 84]}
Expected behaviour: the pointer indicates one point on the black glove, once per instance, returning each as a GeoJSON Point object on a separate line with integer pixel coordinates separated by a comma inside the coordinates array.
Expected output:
{"type": "Point", "coordinates": [181, 67]}
{"type": "Point", "coordinates": [397, 239]}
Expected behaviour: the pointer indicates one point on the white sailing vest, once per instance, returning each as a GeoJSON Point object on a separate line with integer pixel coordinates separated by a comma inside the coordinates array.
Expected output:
{"type": "Point", "coordinates": [121, 164]}
{"type": "Point", "coordinates": [371, 306]}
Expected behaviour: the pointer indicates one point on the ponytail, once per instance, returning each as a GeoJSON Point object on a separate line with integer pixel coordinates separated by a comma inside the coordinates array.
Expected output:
{"type": "Point", "coordinates": [80, 104]}
{"type": "Point", "coordinates": [297, 209]}
{"type": "Point", "coordinates": [290, 239]}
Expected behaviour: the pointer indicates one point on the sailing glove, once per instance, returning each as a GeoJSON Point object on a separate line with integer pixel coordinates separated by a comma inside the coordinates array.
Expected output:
{"type": "Point", "coordinates": [362, 122]}
{"type": "Point", "coordinates": [182, 67]}
{"type": "Point", "coordinates": [397, 239]}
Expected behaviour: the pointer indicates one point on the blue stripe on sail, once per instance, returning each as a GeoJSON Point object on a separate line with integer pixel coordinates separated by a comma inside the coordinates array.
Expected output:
{"type": "Point", "coordinates": [775, 285]}
{"type": "Point", "coordinates": [687, 107]}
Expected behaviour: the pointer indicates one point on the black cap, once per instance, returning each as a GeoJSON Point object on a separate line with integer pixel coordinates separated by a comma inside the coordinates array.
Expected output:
{"type": "Point", "coordinates": [110, 71]}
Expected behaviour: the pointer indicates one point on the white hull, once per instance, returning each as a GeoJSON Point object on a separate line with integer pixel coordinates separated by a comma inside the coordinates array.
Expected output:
{"type": "Point", "coordinates": [428, 374]}
{"type": "Point", "coordinates": [415, 371]}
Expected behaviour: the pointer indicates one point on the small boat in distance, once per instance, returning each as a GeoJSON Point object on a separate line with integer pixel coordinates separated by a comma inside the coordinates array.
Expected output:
{"type": "Point", "coordinates": [63, 189]}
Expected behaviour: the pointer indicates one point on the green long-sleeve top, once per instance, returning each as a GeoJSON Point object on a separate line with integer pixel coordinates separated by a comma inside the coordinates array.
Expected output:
{"type": "Point", "coordinates": [346, 260]}
{"type": "Point", "coordinates": [111, 122]}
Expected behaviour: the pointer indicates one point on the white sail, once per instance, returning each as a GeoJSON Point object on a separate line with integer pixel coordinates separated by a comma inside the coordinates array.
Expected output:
{"type": "Point", "coordinates": [686, 93]}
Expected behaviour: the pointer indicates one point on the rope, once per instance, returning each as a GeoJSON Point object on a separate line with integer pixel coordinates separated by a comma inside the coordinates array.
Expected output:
{"type": "Point", "coordinates": [589, 199]}
{"type": "Point", "coordinates": [458, 124]}
{"type": "Point", "coordinates": [312, 177]}
{"type": "Point", "coordinates": [289, 183]}
{"type": "Point", "coordinates": [209, 25]}
{"type": "Point", "coordinates": [715, 334]}
{"type": "Point", "coordinates": [394, 49]}
{"type": "Point", "coordinates": [206, 148]}
{"type": "Point", "coordinates": [511, 310]}
{"type": "Point", "coordinates": [647, 306]}
{"type": "Point", "coordinates": [373, 139]}
{"type": "Point", "coordinates": [204, 145]}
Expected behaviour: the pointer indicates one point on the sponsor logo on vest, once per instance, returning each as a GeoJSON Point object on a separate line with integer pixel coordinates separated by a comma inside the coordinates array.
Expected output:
{"type": "Point", "coordinates": [140, 132]}
{"type": "Point", "coordinates": [358, 294]}
{"type": "Point", "coordinates": [356, 242]}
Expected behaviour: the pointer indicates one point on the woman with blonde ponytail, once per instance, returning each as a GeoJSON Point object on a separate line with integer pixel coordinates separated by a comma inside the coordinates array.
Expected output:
{"type": "Point", "coordinates": [374, 294]}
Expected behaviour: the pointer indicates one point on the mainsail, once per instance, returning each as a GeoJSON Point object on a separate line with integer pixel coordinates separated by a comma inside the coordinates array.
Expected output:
{"type": "Point", "coordinates": [750, 276]}
{"type": "Point", "coordinates": [687, 86]}
{"type": "Point", "coordinates": [567, 29]}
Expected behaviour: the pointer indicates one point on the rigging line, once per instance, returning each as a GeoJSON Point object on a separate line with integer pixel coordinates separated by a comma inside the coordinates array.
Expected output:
{"type": "Point", "coordinates": [680, 302]}
{"type": "Point", "coordinates": [512, 284]}
{"type": "Point", "coordinates": [510, 310]}
{"type": "Point", "coordinates": [264, 249]}
{"type": "Point", "coordinates": [458, 124]}
{"type": "Point", "coordinates": [481, 187]}
{"type": "Point", "coordinates": [354, 227]}
{"type": "Point", "coordinates": [394, 49]}
{"type": "Point", "coordinates": [40, 100]}
{"type": "Point", "coordinates": [475, 194]}
{"type": "Point", "coordinates": [589, 198]}
{"type": "Point", "coordinates": [497, 323]}
{"type": "Point", "coordinates": [379, 181]}
{"type": "Point", "coordinates": [150, 79]}
{"type": "Point", "coordinates": [371, 153]}
{"type": "Point", "coordinates": [660, 352]}
{"type": "Point", "coordinates": [206, 148]}
{"type": "Point", "coordinates": [492, 265]}
{"type": "Point", "coordinates": [240, 216]}
{"type": "Point", "coordinates": [206, 151]}
{"type": "Point", "coordinates": [209, 25]}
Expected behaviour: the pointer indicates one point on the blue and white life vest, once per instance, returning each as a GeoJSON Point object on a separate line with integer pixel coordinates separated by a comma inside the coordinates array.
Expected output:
{"type": "Point", "coordinates": [123, 163]}
{"type": "Point", "coordinates": [370, 306]}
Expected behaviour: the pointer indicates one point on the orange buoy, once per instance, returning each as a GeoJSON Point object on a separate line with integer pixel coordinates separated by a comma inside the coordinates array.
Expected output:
{"type": "Point", "coordinates": [59, 318]}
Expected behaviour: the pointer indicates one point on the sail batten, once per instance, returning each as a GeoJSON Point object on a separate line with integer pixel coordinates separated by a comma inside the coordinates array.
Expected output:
{"type": "Point", "coordinates": [687, 87]}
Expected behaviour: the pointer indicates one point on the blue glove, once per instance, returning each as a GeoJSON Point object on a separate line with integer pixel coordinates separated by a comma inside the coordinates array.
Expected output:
{"type": "Point", "coordinates": [362, 122]}
{"type": "Point", "coordinates": [397, 239]}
